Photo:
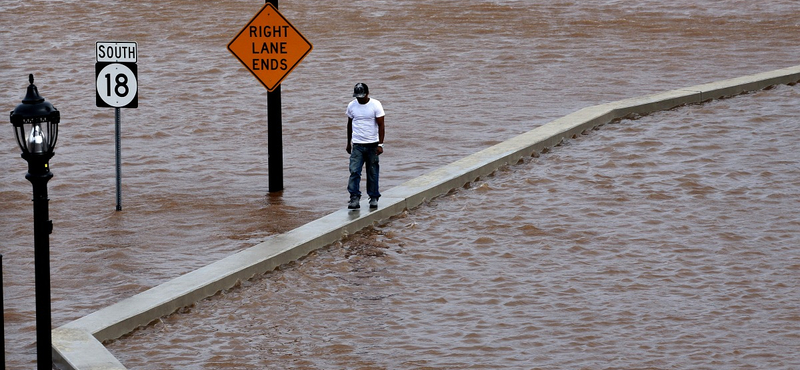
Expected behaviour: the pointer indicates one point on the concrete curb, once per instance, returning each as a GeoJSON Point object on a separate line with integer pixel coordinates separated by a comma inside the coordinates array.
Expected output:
{"type": "Point", "coordinates": [77, 345]}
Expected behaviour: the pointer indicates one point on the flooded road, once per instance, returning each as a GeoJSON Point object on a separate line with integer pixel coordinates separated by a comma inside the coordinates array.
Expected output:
{"type": "Point", "coordinates": [664, 242]}
{"type": "Point", "coordinates": [454, 78]}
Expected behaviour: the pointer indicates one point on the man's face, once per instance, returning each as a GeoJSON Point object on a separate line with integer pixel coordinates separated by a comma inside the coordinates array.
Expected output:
{"type": "Point", "coordinates": [363, 100]}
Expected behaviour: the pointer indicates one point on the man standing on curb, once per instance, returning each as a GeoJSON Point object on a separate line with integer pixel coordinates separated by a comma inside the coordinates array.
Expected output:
{"type": "Point", "coordinates": [364, 144]}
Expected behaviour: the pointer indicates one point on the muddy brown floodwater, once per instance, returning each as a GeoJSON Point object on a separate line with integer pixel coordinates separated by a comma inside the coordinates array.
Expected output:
{"type": "Point", "coordinates": [668, 242]}
{"type": "Point", "coordinates": [663, 248]}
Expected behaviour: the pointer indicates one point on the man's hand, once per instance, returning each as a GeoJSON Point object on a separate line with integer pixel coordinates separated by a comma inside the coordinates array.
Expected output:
{"type": "Point", "coordinates": [349, 148]}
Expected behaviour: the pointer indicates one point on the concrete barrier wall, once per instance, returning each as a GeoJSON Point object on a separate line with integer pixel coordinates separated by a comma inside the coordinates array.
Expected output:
{"type": "Point", "coordinates": [78, 344]}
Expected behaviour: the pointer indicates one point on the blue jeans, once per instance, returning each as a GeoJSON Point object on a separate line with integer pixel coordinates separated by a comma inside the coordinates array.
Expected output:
{"type": "Point", "coordinates": [361, 155]}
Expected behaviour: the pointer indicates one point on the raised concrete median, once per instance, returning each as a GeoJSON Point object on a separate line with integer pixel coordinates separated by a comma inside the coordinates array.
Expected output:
{"type": "Point", "coordinates": [78, 344]}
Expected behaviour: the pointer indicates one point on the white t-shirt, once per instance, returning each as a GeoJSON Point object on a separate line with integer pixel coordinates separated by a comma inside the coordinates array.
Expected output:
{"type": "Point", "coordinates": [365, 127]}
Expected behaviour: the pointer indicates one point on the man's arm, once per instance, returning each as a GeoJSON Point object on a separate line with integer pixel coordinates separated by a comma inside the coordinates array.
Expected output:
{"type": "Point", "coordinates": [381, 131]}
{"type": "Point", "coordinates": [349, 134]}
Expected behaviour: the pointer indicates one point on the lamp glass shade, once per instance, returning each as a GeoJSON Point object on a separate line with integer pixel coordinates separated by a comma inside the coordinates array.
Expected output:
{"type": "Point", "coordinates": [41, 117]}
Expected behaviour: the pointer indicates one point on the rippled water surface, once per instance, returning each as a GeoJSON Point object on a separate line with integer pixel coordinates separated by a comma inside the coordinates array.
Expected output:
{"type": "Point", "coordinates": [665, 242]}
{"type": "Point", "coordinates": [662, 242]}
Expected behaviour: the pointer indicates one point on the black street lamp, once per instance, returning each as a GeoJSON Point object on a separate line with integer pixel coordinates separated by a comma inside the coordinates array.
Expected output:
{"type": "Point", "coordinates": [42, 119]}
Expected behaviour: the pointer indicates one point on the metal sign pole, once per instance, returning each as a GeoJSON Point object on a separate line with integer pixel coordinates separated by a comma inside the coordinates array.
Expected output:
{"type": "Point", "coordinates": [117, 138]}
{"type": "Point", "coordinates": [274, 135]}
{"type": "Point", "coordinates": [274, 140]}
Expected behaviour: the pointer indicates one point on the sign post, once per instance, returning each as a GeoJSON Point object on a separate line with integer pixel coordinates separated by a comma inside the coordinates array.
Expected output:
{"type": "Point", "coordinates": [270, 48]}
{"type": "Point", "coordinates": [274, 140]}
{"type": "Point", "coordinates": [116, 76]}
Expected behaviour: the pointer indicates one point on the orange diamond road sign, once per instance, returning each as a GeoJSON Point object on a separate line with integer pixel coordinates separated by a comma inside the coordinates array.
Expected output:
{"type": "Point", "coordinates": [270, 47]}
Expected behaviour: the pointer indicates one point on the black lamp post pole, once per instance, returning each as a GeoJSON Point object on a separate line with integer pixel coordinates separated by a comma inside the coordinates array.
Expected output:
{"type": "Point", "coordinates": [39, 174]}
{"type": "Point", "coordinates": [2, 319]}
{"type": "Point", "coordinates": [37, 149]}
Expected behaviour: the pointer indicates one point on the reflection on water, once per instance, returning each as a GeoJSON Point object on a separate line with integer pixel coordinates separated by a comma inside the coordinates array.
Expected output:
{"type": "Point", "coordinates": [455, 78]}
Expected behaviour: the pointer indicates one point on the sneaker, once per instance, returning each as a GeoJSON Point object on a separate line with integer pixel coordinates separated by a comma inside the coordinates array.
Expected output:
{"type": "Point", "coordinates": [373, 202]}
{"type": "Point", "coordinates": [354, 202]}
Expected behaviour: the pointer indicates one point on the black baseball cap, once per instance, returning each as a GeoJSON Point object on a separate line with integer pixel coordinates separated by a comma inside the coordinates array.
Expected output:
{"type": "Point", "coordinates": [361, 90]}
